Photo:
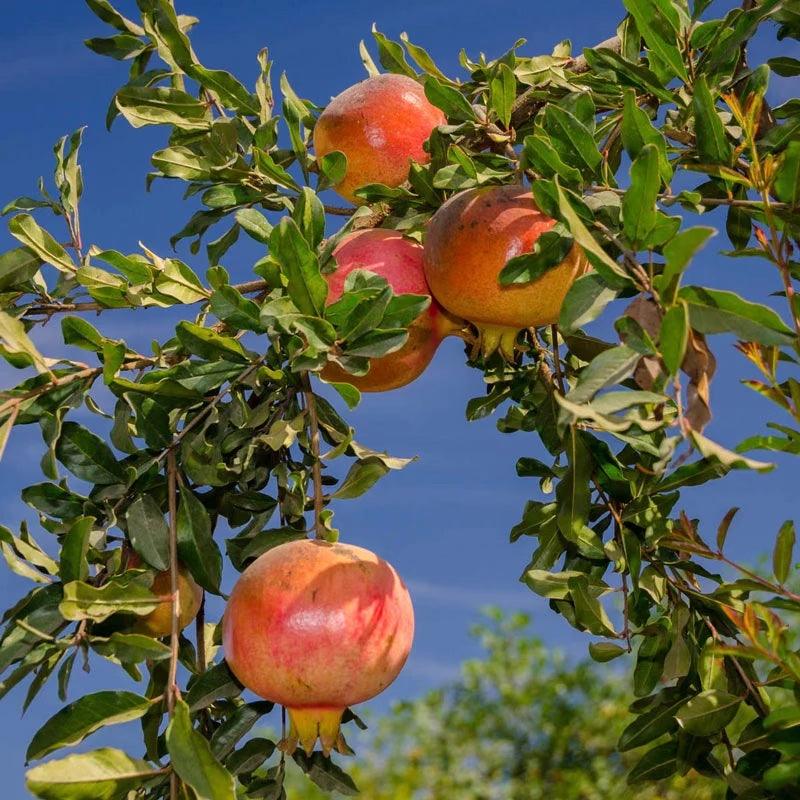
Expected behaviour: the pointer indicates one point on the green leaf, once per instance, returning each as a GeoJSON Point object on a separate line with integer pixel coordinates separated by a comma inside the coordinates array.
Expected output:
{"type": "Point", "coordinates": [605, 651]}
{"type": "Point", "coordinates": [209, 344]}
{"type": "Point", "coordinates": [657, 20]}
{"type": "Point", "coordinates": [572, 138]}
{"type": "Point", "coordinates": [678, 252]}
{"type": "Point", "coordinates": [194, 761]}
{"type": "Point", "coordinates": [216, 683]}
{"type": "Point", "coordinates": [448, 99]}
{"type": "Point", "coordinates": [25, 228]}
{"type": "Point", "coordinates": [639, 202]}
{"type": "Point", "coordinates": [589, 611]}
{"type": "Point", "coordinates": [782, 555]}
{"type": "Point", "coordinates": [585, 301]}
{"type": "Point", "coordinates": [362, 476]}
{"type": "Point", "coordinates": [727, 458]}
{"type": "Point", "coordinates": [656, 764]}
{"type": "Point", "coordinates": [503, 93]}
{"type": "Point", "coordinates": [584, 238]}
{"type": "Point", "coordinates": [103, 774]}
{"type": "Point", "coordinates": [236, 726]}
{"type": "Point", "coordinates": [651, 725]}
{"type": "Point", "coordinates": [628, 73]}
{"type": "Point", "coordinates": [325, 774]}
{"type": "Point", "coordinates": [107, 13]}
{"type": "Point", "coordinates": [158, 105]}
{"type": "Point", "coordinates": [87, 456]}
{"type": "Point", "coordinates": [120, 594]}
{"type": "Point", "coordinates": [307, 288]}
{"type": "Point", "coordinates": [74, 546]}
{"type": "Point", "coordinates": [309, 214]}
{"type": "Point", "coordinates": [254, 224]}
{"type": "Point", "coordinates": [787, 181]}
{"type": "Point", "coordinates": [196, 546]}
{"type": "Point", "coordinates": [713, 146]}
{"type": "Point", "coordinates": [131, 648]}
{"type": "Point", "coordinates": [708, 712]}
{"type": "Point", "coordinates": [638, 131]}
{"type": "Point", "coordinates": [610, 367]}
{"type": "Point", "coordinates": [17, 267]}
{"type": "Point", "coordinates": [719, 311]}
{"type": "Point", "coordinates": [73, 723]}
{"type": "Point", "coordinates": [226, 87]}
{"type": "Point", "coordinates": [148, 531]}
{"type": "Point", "coordinates": [784, 66]}
{"type": "Point", "coordinates": [391, 55]}
{"type": "Point", "coordinates": [122, 46]}
{"type": "Point", "coordinates": [14, 341]}
{"type": "Point", "coordinates": [550, 250]}
{"type": "Point", "coordinates": [674, 337]}
{"type": "Point", "coordinates": [423, 58]}
{"type": "Point", "coordinates": [572, 494]}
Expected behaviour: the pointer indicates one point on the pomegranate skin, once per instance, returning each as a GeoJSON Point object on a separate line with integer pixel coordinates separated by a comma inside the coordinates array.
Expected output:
{"type": "Point", "coordinates": [400, 261]}
{"type": "Point", "coordinates": [471, 238]}
{"type": "Point", "coordinates": [380, 124]}
{"type": "Point", "coordinates": [159, 621]}
{"type": "Point", "coordinates": [317, 626]}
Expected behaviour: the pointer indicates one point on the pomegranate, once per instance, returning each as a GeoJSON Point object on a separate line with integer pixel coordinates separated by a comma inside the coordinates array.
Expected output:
{"type": "Point", "coordinates": [316, 627]}
{"type": "Point", "coordinates": [159, 622]}
{"type": "Point", "coordinates": [470, 239]}
{"type": "Point", "coordinates": [398, 260]}
{"type": "Point", "coordinates": [380, 124]}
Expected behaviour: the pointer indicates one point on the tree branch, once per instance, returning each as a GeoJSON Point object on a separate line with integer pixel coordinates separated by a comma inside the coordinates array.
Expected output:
{"type": "Point", "coordinates": [316, 469]}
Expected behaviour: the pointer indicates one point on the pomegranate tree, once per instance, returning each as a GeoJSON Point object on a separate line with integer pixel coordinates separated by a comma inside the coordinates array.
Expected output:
{"type": "Point", "coordinates": [318, 626]}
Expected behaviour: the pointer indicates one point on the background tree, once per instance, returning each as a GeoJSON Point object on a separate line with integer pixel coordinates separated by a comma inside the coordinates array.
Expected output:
{"type": "Point", "coordinates": [221, 425]}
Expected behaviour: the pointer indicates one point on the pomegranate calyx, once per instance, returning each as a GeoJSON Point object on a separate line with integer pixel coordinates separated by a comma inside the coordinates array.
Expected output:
{"type": "Point", "coordinates": [497, 338]}
{"type": "Point", "coordinates": [306, 725]}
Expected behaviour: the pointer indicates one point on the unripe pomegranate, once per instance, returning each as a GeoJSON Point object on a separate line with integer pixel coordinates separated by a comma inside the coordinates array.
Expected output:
{"type": "Point", "coordinates": [316, 627]}
{"type": "Point", "coordinates": [159, 622]}
{"type": "Point", "coordinates": [398, 260]}
{"type": "Point", "coordinates": [469, 241]}
{"type": "Point", "coordinates": [380, 124]}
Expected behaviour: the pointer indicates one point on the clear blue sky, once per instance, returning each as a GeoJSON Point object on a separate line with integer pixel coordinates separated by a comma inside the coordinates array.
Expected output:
{"type": "Point", "coordinates": [444, 521]}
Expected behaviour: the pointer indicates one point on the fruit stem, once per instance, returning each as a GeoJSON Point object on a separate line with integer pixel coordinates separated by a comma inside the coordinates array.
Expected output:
{"type": "Point", "coordinates": [316, 469]}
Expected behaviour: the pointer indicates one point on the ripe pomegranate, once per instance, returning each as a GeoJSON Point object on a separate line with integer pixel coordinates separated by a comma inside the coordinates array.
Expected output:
{"type": "Point", "coordinates": [158, 623]}
{"type": "Point", "coordinates": [380, 124]}
{"type": "Point", "coordinates": [316, 627]}
{"type": "Point", "coordinates": [399, 260]}
{"type": "Point", "coordinates": [470, 239]}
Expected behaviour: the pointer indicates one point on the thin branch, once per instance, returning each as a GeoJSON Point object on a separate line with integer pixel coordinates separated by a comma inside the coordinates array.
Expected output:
{"type": "Point", "coordinates": [706, 201]}
{"type": "Point", "coordinates": [316, 468]}
{"type": "Point", "coordinates": [173, 692]}
{"type": "Point", "coordinates": [48, 309]}
{"type": "Point", "coordinates": [557, 360]}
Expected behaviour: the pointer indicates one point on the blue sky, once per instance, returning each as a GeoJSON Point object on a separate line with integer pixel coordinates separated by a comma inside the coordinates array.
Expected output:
{"type": "Point", "coordinates": [444, 521]}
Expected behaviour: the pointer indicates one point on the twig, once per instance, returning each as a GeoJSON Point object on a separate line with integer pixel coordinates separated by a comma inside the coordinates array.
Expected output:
{"type": "Point", "coordinates": [48, 309]}
{"type": "Point", "coordinates": [714, 202]}
{"type": "Point", "coordinates": [316, 468]}
{"type": "Point", "coordinates": [557, 360]}
{"type": "Point", "coordinates": [173, 691]}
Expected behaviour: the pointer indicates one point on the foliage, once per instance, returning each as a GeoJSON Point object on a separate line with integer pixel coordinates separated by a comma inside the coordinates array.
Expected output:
{"type": "Point", "coordinates": [220, 425]}
{"type": "Point", "coordinates": [520, 722]}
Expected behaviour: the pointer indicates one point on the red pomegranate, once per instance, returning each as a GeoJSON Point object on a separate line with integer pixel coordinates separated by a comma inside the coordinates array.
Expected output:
{"type": "Point", "coordinates": [380, 124]}
{"type": "Point", "coordinates": [469, 241]}
{"type": "Point", "coordinates": [399, 260]}
{"type": "Point", "coordinates": [317, 627]}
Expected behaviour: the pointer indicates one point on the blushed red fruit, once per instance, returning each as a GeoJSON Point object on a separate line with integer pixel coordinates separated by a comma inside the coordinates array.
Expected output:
{"type": "Point", "coordinates": [159, 622]}
{"type": "Point", "coordinates": [468, 242]}
{"type": "Point", "coordinates": [380, 124]}
{"type": "Point", "coordinates": [317, 627]}
{"type": "Point", "coordinates": [398, 259]}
